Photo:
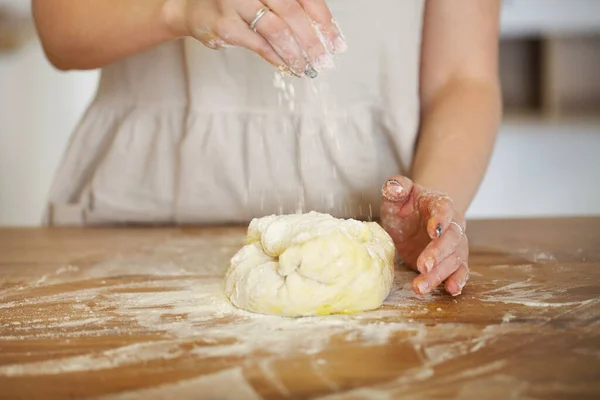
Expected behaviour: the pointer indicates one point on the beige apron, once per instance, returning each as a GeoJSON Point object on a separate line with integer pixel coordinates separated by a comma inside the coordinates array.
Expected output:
{"type": "Point", "coordinates": [185, 134]}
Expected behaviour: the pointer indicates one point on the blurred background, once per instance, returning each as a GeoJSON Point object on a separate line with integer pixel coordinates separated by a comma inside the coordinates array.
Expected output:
{"type": "Point", "coordinates": [547, 159]}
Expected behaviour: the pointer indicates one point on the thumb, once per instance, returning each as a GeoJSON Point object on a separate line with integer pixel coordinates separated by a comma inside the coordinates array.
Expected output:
{"type": "Point", "coordinates": [396, 192]}
{"type": "Point", "coordinates": [399, 218]}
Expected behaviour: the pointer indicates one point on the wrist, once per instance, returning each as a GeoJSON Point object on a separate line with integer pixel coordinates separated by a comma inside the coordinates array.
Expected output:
{"type": "Point", "coordinates": [173, 18]}
{"type": "Point", "coordinates": [454, 189]}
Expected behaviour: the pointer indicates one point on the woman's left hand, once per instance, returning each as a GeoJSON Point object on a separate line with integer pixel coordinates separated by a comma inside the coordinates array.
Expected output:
{"type": "Point", "coordinates": [428, 233]}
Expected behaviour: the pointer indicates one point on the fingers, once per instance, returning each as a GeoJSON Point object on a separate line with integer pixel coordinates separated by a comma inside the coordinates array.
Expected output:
{"type": "Point", "coordinates": [457, 281]}
{"type": "Point", "coordinates": [441, 213]}
{"type": "Point", "coordinates": [439, 249]}
{"type": "Point", "coordinates": [426, 283]}
{"type": "Point", "coordinates": [237, 33]}
{"type": "Point", "coordinates": [439, 210]}
{"type": "Point", "coordinates": [319, 12]}
{"type": "Point", "coordinates": [300, 35]}
{"type": "Point", "coordinates": [306, 35]}
{"type": "Point", "coordinates": [277, 33]}
{"type": "Point", "coordinates": [396, 193]}
{"type": "Point", "coordinates": [396, 190]}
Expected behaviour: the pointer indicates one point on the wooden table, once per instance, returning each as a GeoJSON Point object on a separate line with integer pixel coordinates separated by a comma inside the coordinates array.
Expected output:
{"type": "Point", "coordinates": [139, 314]}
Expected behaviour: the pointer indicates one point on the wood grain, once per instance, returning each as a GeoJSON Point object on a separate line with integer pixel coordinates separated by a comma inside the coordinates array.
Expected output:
{"type": "Point", "coordinates": [136, 313]}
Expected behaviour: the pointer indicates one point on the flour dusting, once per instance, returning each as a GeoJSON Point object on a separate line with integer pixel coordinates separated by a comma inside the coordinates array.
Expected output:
{"type": "Point", "coordinates": [169, 299]}
{"type": "Point", "coordinates": [164, 303]}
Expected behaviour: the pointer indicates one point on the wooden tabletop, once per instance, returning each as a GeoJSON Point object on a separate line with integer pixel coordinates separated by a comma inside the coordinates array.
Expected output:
{"type": "Point", "coordinates": [140, 314]}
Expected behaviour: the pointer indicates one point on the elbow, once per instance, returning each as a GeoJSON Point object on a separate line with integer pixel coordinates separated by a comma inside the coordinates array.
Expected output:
{"type": "Point", "coordinates": [58, 62]}
{"type": "Point", "coordinates": [65, 58]}
{"type": "Point", "coordinates": [60, 38]}
{"type": "Point", "coordinates": [487, 88]}
{"type": "Point", "coordinates": [64, 51]}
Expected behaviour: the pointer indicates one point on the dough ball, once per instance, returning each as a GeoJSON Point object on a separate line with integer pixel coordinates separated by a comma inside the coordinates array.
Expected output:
{"type": "Point", "coordinates": [311, 264]}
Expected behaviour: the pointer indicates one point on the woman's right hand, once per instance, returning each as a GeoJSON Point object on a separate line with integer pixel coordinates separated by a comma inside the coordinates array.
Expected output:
{"type": "Point", "coordinates": [287, 35]}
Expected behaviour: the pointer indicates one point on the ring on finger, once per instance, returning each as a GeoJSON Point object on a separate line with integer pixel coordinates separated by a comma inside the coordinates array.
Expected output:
{"type": "Point", "coordinates": [459, 226]}
{"type": "Point", "coordinates": [259, 14]}
{"type": "Point", "coordinates": [310, 71]}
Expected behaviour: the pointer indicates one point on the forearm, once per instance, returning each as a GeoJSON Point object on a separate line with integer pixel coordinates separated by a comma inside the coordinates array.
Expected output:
{"type": "Point", "coordinates": [456, 139]}
{"type": "Point", "coordinates": [87, 34]}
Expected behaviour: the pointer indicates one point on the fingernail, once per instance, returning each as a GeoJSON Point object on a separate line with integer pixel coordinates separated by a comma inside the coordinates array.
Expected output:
{"type": "Point", "coordinates": [310, 72]}
{"type": "Point", "coordinates": [438, 230]}
{"type": "Point", "coordinates": [429, 264]}
{"type": "Point", "coordinates": [394, 185]}
{"type": "Point", "coordinates": [297, 72]}
{"type": "Point", "coordinates": [324, 62]}
{"type": "Point", "coordinates": [392, 190]}
{"type": "Point", "coordinates": [461, 285]}
{"type": "Point", "coordinates": [339, 45]}
{"type": "Point", "coordinates": [423, 286]}
{"type": "Point", "coordinates": [285, 71]}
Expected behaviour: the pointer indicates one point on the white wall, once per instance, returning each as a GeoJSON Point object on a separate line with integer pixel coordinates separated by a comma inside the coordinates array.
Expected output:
{"type": "Point", "coordinates": [38, 109]}
{"type": "Point", "coordinates": [527, 17]}
{"type": "Point", "coordinates": [542, 169]}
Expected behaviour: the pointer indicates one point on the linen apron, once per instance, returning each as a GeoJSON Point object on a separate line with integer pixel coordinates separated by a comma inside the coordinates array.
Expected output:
{"type": "Point", "coordinates": [182, 134]}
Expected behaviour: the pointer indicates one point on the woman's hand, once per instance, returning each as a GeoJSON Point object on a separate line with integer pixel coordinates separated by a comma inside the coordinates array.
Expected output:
{"type": "Point", "coordinates": [296, 36]}
{"type": "Point", "coordinates": [428, 233]}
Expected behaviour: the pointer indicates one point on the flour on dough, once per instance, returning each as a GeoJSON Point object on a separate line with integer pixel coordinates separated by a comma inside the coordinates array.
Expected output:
{"type": "Point", "coordinates": [311, 264]}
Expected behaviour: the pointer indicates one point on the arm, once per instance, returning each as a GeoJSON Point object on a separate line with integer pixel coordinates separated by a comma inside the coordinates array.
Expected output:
{"type": "Point", "coordinates": [460, 96]}
{"type": "Point", "coordinates": [461, 104]}
{"type": "Point", "coordinates": [86, 34]}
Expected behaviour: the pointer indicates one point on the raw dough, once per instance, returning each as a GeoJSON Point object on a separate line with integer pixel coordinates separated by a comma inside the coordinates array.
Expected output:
{"type": "Point", "coordinates": [311, 264]}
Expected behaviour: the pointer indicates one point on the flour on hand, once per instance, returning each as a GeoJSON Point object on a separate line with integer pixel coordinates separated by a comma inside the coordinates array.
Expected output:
{"type": "Point", "coordinates": [311, 264]}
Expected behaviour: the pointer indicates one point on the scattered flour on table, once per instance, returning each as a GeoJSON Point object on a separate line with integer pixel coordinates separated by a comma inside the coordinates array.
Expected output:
{"type": "Point", "coordinates": [192, 307]}
{"type": "Point", "coordinates": [173, 293]}
{"type": "Point", "coordinates": [181, 306]}
{"type": "Point", "coordinates": [528, 293]}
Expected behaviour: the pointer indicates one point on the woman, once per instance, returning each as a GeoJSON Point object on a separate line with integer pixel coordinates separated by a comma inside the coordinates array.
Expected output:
{"type": "Point", "coordinates": [180, 133]}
